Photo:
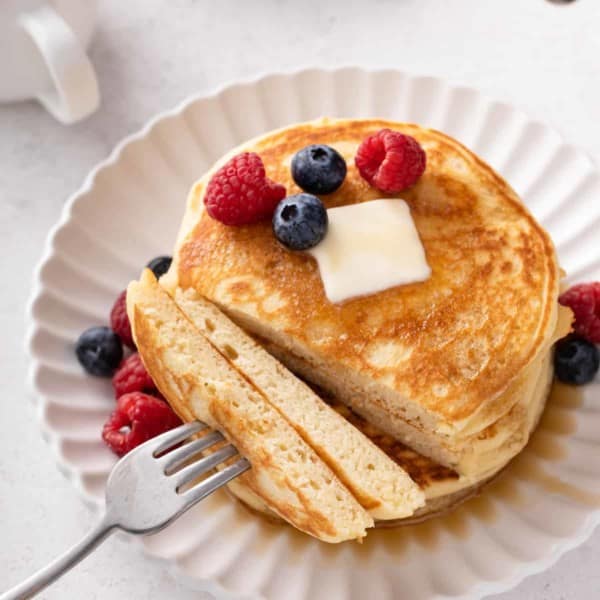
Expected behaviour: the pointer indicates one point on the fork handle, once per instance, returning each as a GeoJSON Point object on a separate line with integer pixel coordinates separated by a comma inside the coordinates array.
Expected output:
{"type": "Point", "coordinates": [44, 577]}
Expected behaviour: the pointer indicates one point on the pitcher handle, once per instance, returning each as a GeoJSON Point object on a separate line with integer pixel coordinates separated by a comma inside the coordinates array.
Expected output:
{"type": "Point", "coordinates": [75, 94]}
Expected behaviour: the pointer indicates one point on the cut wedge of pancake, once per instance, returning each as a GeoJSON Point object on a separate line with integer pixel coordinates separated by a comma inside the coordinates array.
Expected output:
{"type": "Point", "coordinates": [200, 383]}
{"type": "Point", "coordinates": [435, 364]}
{"type": "Point", "coordinates": [379, 484]}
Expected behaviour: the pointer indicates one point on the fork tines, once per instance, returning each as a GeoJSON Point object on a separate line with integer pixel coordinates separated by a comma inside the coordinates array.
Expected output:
{"type": "Point", "coordinates": [178, 463]}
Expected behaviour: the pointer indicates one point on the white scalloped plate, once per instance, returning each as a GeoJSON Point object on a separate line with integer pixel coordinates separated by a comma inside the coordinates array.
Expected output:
{"type": "Point", "coordinates": [128, 211]}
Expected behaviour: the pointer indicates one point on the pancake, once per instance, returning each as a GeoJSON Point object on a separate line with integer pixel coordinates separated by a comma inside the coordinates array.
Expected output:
{"type": "Point", "coordinates": [199, 383]}
{"type": "Point", "coordinates": [487, 451]}
{"type": "Point", "coordinates": [439, 365]}
{"type": "Point", "coordinates": [378, 483]}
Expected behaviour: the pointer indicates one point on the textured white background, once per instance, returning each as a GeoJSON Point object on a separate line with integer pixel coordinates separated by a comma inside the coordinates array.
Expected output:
{"type": "Point", "coordinates": [151, 54]}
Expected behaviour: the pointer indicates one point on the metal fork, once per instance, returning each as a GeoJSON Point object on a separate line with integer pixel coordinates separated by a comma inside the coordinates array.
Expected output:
{"type": "Point", "coordinates": [147, 489]}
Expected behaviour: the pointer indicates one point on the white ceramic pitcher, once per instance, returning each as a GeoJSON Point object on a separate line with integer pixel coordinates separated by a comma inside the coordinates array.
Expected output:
{"type": "Point", "coordinates": [42, 55]}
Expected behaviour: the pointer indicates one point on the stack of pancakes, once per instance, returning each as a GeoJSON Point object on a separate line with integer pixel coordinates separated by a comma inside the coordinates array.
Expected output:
{"type": "Point", "coordinates": [443, 379]}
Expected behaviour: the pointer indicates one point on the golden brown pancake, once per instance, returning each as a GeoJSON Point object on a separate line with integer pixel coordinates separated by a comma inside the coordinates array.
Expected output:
{"type": "Point", "coordinates": [199, 383]}
{"type": "Point", "coordinates": [448, 366]}
{"type": "Point", "coordinates": [377, 482]}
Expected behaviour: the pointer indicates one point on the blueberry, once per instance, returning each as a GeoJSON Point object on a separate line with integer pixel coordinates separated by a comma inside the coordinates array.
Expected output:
{"type": "Point", "coordinates": [159, 265]}
{"type": "Point", "coordinates": [99, 350]}
{"type": "Point", "coordinates": [300, 221]}
{"type": "Point", "coordinates": [318, 169]}
{"type": "Point", "coordinates": [576, 360]}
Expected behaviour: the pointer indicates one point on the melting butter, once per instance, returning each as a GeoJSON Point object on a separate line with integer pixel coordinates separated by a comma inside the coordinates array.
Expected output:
{"type": "Point", "coordinates": [370, 247]}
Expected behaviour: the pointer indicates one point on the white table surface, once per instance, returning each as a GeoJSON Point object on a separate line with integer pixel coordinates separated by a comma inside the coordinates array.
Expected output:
{"type": "Point", "coordinates": [150, 54]}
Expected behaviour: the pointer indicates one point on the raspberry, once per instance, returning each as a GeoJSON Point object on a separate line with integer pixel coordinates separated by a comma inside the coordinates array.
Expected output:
{"type": "Point", "coordinates": [240, 193]}
{"type": "Point", "coordinates": [390, 160]}
{"type": "Point", "coordinates": [131, 376]}
{"type": "Point", "coordinates": [138, 418]}
{"type": "Point", "coordinates": [584, 300]}
{"type": "Point", "coordinates": [119, 321]}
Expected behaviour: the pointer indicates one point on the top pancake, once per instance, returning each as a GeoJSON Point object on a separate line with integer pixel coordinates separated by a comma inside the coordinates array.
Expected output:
{"type": "Point", "coordinates": [449, 345]}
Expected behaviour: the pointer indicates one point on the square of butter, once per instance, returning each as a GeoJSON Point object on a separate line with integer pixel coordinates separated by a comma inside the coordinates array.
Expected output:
{"type": "Point", "coordinates": [370, 247]}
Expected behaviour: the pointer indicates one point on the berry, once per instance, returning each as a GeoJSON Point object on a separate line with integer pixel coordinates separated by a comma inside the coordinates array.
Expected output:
{"type": "Point", "coordinates": [318, 169]}
{"type": "Point", "coordinates": [584, 300]}
{"type": "Point", "coordinates": [390, 160]}
{"type": "Point", "coordinates": [138, 418]}
{"type": "Point", "coordinates": [300, 221]}
{"type": "Point", "coordinates": [131, 376]}
{"type": "Point", "coordinates": [119, 321]}
{"type": "Point", "coordinates": [99, 351]}
{"type": "Point", "coordinates": [576, 360]}
{"type": "Point", "coordinates": [160, 265]}
{"type": "Point", "coordinates": [240, 193]}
